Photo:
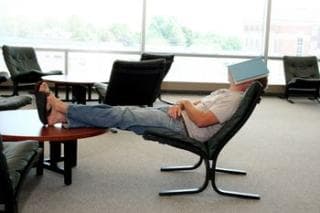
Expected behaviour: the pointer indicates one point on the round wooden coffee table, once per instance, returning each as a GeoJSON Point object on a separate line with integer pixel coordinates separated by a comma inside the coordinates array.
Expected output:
{"type": "Point", "coordinates": [79, 84]}
{"type": "Point", "coordinates": [19, 125]}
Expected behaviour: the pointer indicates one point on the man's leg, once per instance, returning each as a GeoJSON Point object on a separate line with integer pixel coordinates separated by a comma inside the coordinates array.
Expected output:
{"type": "Point", "coordinates": [134, 119]}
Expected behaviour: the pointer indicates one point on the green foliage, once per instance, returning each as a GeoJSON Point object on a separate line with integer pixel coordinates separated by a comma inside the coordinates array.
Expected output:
{"type": "Point", "coordinates": [121, 33]}
{"type": "Point", "coordinates": [189, 36]}
{"type": "Point", "coordinates": [161, 31]}
{"type": "Point", "coordinates": [175, 34]}
{"type": "Point", "coordinates": [231, 43]}
{"type": "Point", "coordinates": [167, 29]}
{"type": "Point", "coordinates": [80, 30]}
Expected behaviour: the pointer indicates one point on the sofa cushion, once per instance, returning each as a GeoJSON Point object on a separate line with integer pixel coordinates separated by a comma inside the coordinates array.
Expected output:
{"type": "Point", "coordinates": [18, 155]}
{"type": "Point", "coordinates": [14, 102]}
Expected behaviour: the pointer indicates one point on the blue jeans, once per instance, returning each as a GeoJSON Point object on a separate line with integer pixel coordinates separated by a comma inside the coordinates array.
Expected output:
{"type": "Point", "coordinates": [130, 118]}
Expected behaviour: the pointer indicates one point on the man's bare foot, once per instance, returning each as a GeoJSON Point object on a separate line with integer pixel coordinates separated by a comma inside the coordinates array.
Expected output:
{"type": "Point", "coordinates": [43, 108]}
{"type": "Point", "coordinates": [44, 88]}
{"type": "Point", "coordinates": [56, 117]}
{"type": "Point", "coordinates": [57, 104]}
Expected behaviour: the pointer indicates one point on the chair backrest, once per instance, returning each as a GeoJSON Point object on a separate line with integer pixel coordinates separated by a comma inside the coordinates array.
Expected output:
{"type": "Point", "coordinates": [301, 67]}
{"type": "Point", "coordinates": [248, 103]}
{"type": "Point", "coordinates": [168, 60]}
{"type": "Point", "coordinates": [20, 59]}
{"type": "Point", "coordinates": [134, 82]}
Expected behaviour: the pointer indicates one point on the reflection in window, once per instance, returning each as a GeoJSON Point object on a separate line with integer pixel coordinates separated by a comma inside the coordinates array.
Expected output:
{"type": "Point", "coordinates": [223, 30]}
{"type": "Point", "coordinates": [205, 26]}
{"type": "Point", "coordinates": [89, 63]}
{"type": "Point", "coordinates": [295, 28]}
{"type": "Point", "coordinates": [51, 60]}
{"type": "Point", "coordinates": [72, 24]}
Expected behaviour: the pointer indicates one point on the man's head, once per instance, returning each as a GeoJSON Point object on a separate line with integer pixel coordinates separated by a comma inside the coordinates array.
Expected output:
{"type": "Point", "coordinates": [243, 86]}
{"type": "Point", "coordinates": [264, 82]}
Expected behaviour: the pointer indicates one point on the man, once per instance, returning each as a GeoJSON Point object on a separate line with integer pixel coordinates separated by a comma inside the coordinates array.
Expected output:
{"type": "Point", "coordinates": [198, 120]}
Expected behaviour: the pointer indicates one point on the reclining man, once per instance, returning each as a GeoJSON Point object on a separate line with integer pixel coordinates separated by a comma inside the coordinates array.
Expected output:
{"type": "Point", "coordinates": [198, 120]}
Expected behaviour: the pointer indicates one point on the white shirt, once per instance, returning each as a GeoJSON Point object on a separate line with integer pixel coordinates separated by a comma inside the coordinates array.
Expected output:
{"type": "Point", "coordinates": [222, 103]}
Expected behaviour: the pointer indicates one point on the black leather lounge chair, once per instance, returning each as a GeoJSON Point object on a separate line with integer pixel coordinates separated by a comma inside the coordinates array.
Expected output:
{"type": "Point", "coordinates": [16, 160]}
{"type": "Point", "coordinates": [302, 76]}
{"type": "Point", "coordinates": [23, 66]}
{"type": "Point", "coordinates": [132, 83]}
{"type": "Point", "coordinates": [167, 65]}
{"type": "Point", "coordinates": [210, 150]}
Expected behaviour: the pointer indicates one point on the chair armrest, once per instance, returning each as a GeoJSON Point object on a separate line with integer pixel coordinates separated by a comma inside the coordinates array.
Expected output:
{"type": "Point", "coordinates": [27, 75]}
{"type": "Point", "coordinates": [305, 82]}
{"type": "Point", "coordinates": [53, 72]}
{"type": "Point", "coordinates": [177, 140]}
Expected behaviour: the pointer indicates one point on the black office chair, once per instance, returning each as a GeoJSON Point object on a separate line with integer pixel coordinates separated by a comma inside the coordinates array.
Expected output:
{"type": "Point", "coordinates": [133, 83]}
{"type": "Point", "coordinates": [23, 66]}
{"type": "Point", "coordinates": [168, 62]}
{"type": "Point", "coordinates": [302, 77]}
{"type": "Point", "coordinates": [209, 151]}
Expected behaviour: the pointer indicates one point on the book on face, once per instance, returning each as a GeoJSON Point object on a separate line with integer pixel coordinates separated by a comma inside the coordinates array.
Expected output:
{"type": "Point", "coordinates": [248, 70]}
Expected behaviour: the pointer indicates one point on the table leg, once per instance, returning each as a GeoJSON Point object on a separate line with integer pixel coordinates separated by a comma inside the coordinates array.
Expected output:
{"type": "Point", "coordinates": [79, 92]}
{"type": "Point", "coordinates": [40, 160]}
{"type": "Point", "coordinates": [90, 93]}
{"type": "Point", "coordinates": [54, 158]}
{"type": "Point", "coordinates": [69, 159]}
{"type": "Point", "coordinates": [55, 153]}
{"type": "Point", "coordinates": [68, 153]}
{"type": "Point", "coordinates": [56, 90]}
{"type": "Point", "coordinates": [73, 146]}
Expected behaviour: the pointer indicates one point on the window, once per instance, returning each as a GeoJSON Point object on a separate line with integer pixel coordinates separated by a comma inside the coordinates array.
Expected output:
{"type": "Point", "coordinates": [200, 69]}
{"type": "Point", "coordinates": [205, 35]}
{"type": "Point", "coordinates": [94, 24]}
{"type": "Point", "coordinates": [90, 63]}
{"type": "Point", "coordinates": [51, 60]}
{"type": "Point", "coordinates": [295, 28]}
{"type": "Point", "coordinates": [205, 26]}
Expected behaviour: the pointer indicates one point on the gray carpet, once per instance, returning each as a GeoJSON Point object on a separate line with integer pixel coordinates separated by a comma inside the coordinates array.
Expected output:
{"type": "Point", "coordinates": [279, 147]}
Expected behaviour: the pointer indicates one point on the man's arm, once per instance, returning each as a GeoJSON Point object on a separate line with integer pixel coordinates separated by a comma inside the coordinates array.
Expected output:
{"type": "Point", "coordinates": [200, 118]}
{"type": "Point", "coordinates": [175, 111]}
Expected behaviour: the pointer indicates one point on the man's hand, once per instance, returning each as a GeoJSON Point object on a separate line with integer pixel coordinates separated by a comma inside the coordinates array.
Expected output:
{"type": "Point", "coordinates": [174, 111]}
{"type": "Point", "coordinates": [199, 117]}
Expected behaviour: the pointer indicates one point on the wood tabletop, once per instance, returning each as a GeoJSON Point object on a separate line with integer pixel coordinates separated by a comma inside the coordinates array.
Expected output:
{"type": "Point", "coordinates": [17, 125]}
{"type": "Point", "coordinates": [75, 79]}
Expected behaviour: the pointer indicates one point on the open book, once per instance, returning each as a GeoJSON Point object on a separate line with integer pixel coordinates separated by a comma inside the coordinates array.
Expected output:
{"type": "Point", "coordinates": [248, 70]}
